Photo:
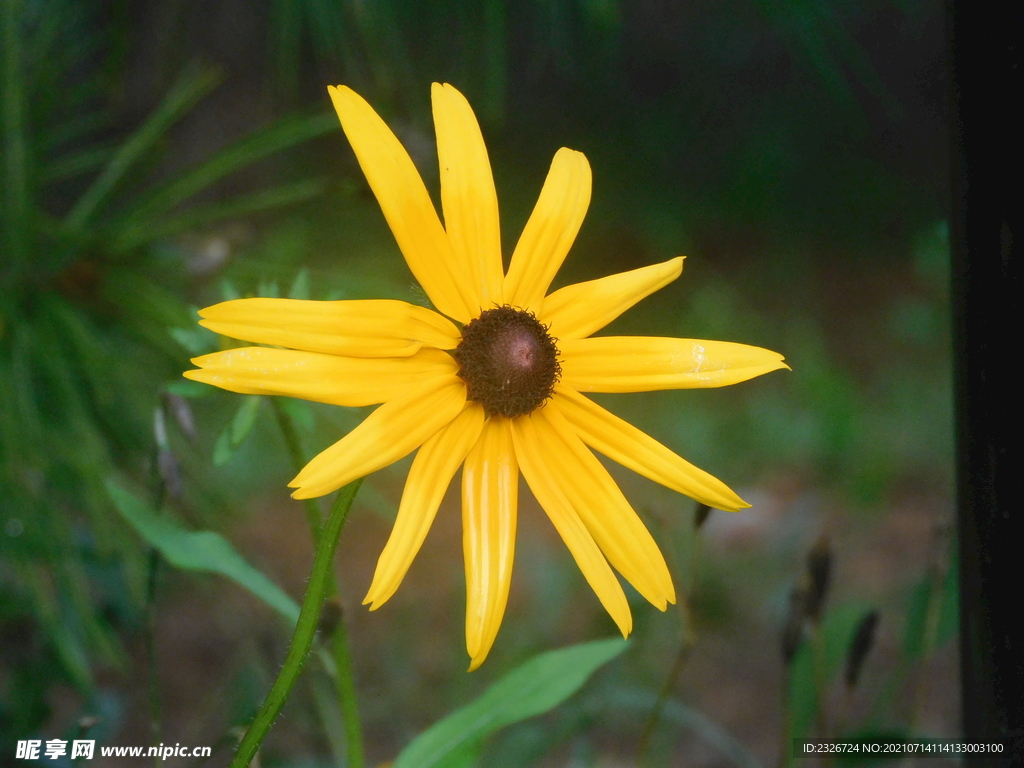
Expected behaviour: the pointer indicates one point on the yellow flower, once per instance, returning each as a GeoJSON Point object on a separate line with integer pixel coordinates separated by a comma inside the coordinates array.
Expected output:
{"type": "Point", "coordinates": [491, 381]}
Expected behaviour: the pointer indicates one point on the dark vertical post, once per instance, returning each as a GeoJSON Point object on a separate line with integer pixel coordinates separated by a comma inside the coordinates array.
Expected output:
{"type": "Point", "coordinates": [987, 234]}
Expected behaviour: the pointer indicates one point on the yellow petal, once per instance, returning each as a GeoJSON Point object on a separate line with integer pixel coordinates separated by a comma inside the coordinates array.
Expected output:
{"type": "Point", "coordinates": [550, 232]}
{"type": "Point", "coordinates": [616, 528]}
{"type": "Point", "coordinates": [431, 471]}
{"type": "Point", "coordinates": [622, 442]}
{"type": "Point", "coordinates": [333, 379]}
{"type": "Point", "coordinates": [394, 430]}
{"type": "Point", "coordinates": [646, 363]}
{"type": "Point", "coordinates": [490, 485]}
{"type": "Point", "coordinates": [468, 198]}
{"type": "Point", "coordinates": [579, 310]}
{"type": "Point", "coordinates": [372, 328]}
{"type": "Point", "coordinates": [533, 457]}
{"type": "Point", "coordinates": [406, 205]}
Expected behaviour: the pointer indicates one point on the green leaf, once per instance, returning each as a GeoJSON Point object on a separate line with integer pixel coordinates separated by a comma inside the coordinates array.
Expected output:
{"type": "Point", "coordinates": [466, 756]}
{"type": "Point", "coordinates": [74, 164]}
{"type": "Point", "coordinates": [190, 389]}
{"type": "Point", "coordinates": [837, 630]}
{"type": "Point", "coordinates": [199, 551]}
{"type": "Point", "coordinates": [802, 701]}
{"type": "Point", "coordinates": [140, 232]}
{"type": "Point", "coordinates": [189, 89]}
{"type": "Point", "coordinates": [541, 684]}
{"type": "Point", "coordinates": [69, 647]}
{"type": "Point", "coordinates": [244, 419]}
{"type": "Point", "coordinates": [300, 413]}
{"type": "Point", "coordinates": [197, 340]}
{"type": "Point", "coordinates": [300, 286]}
{"type": "Point", "coordinates": [13, 129]}
{"type": "Point", "coordinates": [228, 291]}
{"type": "Point", "coordinates": [256, 146]}
{"type": "Point", "coordinates": [919, 638]}
{"type": "Point", "coordinates": [71, 128]}
{"type": "Point", "coordinates": [223, 450]}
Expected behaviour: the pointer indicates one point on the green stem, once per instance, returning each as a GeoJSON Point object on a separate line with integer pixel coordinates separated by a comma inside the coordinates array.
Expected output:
{"type": "Point", "coordinates": [291, 439]}
{"type": "Point", "coordinates": [685, 646]}
{"type": "Point", "coordinates": [347, 695]}
{"type": "Point", "coordinates": [686, 643]}
{"type": "Point", "coordinates": [305, 629]}
{"type": "Point", "coordinates": [343, 677]}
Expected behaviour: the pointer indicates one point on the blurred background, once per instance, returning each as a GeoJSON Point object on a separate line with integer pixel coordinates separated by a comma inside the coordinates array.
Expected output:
{"type": "Point", "coordinates": [163, 156]}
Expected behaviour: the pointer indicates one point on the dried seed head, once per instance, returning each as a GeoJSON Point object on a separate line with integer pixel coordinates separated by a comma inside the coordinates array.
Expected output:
{"type": "Point", "coordinates": [508, 361]}
{"type": "Point", "coordinates": [700, 516]}
{"type": "Point", "coordinates": [860, 646]}
{"type": "Point", "coordinates": [793, 629]}
{"type": "Point", "coordinates": [819, 573]}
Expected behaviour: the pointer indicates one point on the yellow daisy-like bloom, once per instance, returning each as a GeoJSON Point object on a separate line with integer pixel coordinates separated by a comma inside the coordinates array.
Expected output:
{"type": "Point", "coordinates": [491, 381]}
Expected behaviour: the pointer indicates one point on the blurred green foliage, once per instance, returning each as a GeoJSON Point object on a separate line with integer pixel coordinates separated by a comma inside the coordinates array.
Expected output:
{"type": "Point", "coordinates": [86, 300]}
{"type": "Point", "coordinates": [199, 551]}
{"type": "Point", "coordinates": [532, 689]}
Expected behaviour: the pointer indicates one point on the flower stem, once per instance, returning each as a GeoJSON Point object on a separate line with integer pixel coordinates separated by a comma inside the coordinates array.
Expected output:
{"type": "Point", "coordinates": [347, 696]}
{"type": "Point", "coordinates": [686, 643]}
{"type": "Point", "coordinates": [343, 677]}
{"type": "Point", "coordinates": [305, 629]}
{"type": "Point", "coordinates": [291, 439]}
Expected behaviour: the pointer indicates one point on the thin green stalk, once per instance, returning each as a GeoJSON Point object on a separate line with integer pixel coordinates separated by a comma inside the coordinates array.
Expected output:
{"type": "Point", "coordinates": [347, 696]}
{"type": "Point", "coordinates": [686, 644]}
{"type": "Point", "coordinates": [495, 63]}
{"type": "Point", "coordinates": [291, 439]}
{"type": "Point", "coordinates": [305, 629]}
{"type": "Point", "coordinates": [343, 678]}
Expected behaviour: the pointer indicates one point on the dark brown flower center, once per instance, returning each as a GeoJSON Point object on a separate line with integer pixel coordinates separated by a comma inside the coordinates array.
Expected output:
{"type": "Point", "coordinates": [508, 361]}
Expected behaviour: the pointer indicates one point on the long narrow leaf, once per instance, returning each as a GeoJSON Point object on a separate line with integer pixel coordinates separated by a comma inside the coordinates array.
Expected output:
{"type": "Point", "coordinates": [541, 684]}
{"type": "Point", "coordinates": [12, 96]}
{"type": "Point", "coordinates": [189, 89]}
{"type": "Point", "coordinates": [75, 164]}
{"type": "Point", "coordinates": [286, 28]}
{"type": "Point", "coordinates": [199, 551]}
{"type": "Point", "coordinates": [143, 232]}
{"type": "Point", "coordinates": [255, 146]}
{"type": "Point", "coordinates": [74, 127]}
